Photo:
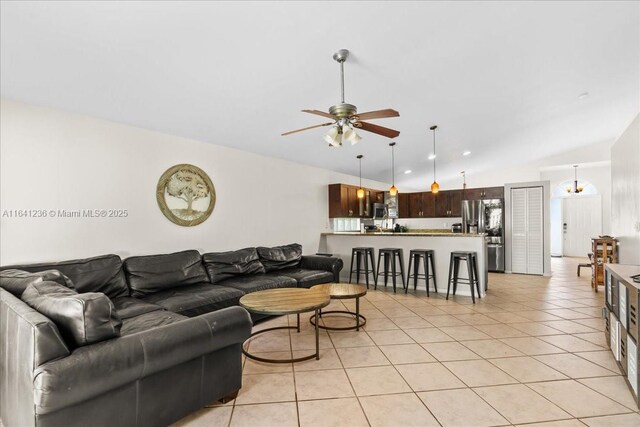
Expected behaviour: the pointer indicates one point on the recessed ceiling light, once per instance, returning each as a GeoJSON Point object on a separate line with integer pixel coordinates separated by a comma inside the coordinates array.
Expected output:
{"type": "Point", "coordinates": [407, 172]}
{"type": "Point", "coordinates": [583, 95]}
{"type": "Point", "coordinates": [432, 156]}
{"type": "Point", "coordinates": [466, 153]}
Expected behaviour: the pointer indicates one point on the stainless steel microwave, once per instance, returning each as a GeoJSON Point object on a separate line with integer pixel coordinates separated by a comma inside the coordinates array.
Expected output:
{"type": "Point", "coordinates": [378, 210]}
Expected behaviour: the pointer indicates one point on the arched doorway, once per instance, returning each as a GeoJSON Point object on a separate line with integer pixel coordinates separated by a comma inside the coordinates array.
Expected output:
{"type": "Point", "coordinates": [575, 219]}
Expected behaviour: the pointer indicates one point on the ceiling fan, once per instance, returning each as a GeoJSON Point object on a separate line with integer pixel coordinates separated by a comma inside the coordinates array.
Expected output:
{"type": "Point", "coordinates": [345, 117]}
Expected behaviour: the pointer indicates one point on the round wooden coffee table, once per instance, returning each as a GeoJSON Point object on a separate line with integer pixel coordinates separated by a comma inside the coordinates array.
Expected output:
{"type": "Point", "coordinates": [342, 291]}
{"type": "Point", "coordinates": [284, 301]}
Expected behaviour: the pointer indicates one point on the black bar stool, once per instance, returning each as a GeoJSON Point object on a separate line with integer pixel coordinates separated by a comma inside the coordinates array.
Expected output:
{"type": "Point", "coordinates": [359, 254]}
{"type": "Point", "coordinates": [426, 255]}
{"type": "Point", "coordinates": [390, 255]}
{"type": "Point", "coordinates": [472, 272]}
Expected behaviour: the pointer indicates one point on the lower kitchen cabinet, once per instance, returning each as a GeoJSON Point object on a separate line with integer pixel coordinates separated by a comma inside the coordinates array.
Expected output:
{"type": "Point", "coordinates": [621, 326]}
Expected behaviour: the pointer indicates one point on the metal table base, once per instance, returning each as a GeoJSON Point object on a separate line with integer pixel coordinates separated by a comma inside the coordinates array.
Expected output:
{"type": "Point", "coordinates": [357, 315]}
{"type": "Point", "coordinates": [315, 355]}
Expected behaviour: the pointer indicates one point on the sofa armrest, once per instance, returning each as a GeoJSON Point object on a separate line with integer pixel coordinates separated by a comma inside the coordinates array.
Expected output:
{"type": "Point", "coordinates": [95, 369]}
{"type": "Point", "coordinates": [314, 262]}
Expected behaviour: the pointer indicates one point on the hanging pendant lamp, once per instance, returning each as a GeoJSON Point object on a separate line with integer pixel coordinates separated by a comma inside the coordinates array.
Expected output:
{"type": "Point", "coordinates": [360, 191]}
{"type": "Point", "coordinates": [576, 189]}
{"type": "Point", "coordinates": [435, 187]}
{"type": "Point", "coordinates": [393, 190]}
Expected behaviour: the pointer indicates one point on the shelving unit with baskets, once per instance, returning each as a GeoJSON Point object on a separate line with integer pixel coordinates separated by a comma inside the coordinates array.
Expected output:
{"type": "Point", "coordinates": [604, 250]}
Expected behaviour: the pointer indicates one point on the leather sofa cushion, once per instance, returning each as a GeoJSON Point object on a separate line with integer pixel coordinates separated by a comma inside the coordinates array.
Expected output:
{"type": "Point", "coordinates": [16, 281]}
{"type": "Point", "coordinates": [81, 318]}
{"type": "Point", "coordinates": [98, 274]}
{"type": "Point", "coordinates": [23, 327]}
{"type": "Point", "coordinates": [261, 282]}
{"type": "Point", "coordinates": [224, 265]}
{"type": "Point", "coordinates": [154, 273]}
{"type": "Point", "coordinates": [195, 300]}
{"type": "Point", "coordinates": [148, 321]}
{"type": "Point", "coordinates": [128, 307]}
{"type": "Point", "coordinates": [280, 257]}
{"type": "Point", "coordinates": [307, 278]}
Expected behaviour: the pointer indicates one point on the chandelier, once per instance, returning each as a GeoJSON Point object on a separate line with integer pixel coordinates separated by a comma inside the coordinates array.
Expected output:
{"type": "Point", "coordinates": [576, 189]}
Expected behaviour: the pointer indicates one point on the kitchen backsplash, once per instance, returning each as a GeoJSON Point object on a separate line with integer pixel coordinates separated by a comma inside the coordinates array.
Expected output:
{"type": "Point", "coordinates": [428, 223]}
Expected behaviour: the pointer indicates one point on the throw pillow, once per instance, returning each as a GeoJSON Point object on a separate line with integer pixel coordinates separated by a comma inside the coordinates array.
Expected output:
{"type": "Point", "coordinates": [16, 281]}
{"type": "Point", "coordinates": [82, 319]}
{"type": "Point", "coordinates": [280, 257]}
{"type": "Point", "coordinates": [223, 265]}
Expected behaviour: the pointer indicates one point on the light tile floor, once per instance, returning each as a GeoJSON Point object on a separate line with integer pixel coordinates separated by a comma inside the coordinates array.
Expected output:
{"type": "Point", "coordinates": [532, 352]}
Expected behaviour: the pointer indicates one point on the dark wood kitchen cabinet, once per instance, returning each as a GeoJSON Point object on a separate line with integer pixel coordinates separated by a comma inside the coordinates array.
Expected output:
{"type": "Point", "coordinates": [484, 193]}
{"type": "Point", "coordinates": [377, 196]}
{"type": "Point", "coordinates": [344, 202]}
{"type": "Point", "coordinates": [403, 205]}
{"type": "Point", "coordinates": [448, 203]}
{"type": "Point", "coordinates": [421, 205]}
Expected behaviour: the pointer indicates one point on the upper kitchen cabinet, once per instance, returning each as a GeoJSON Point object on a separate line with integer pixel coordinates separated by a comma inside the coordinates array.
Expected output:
{"type": "Point", "coordinates": [415, 205]}
{"type": "Point", "coordinates": [344, 202]}
{"type": "Point", "coordinates": [421, 205]}
{"type": "Point", "coordinates": [403, 205]}
{"type": "Point", "coordinates": [377, 196]}
{"type": "Point", "coordinates": [484, 193]}
{"type": "Point", "coordinates": [448, 203]}
{"type": "Point", "coordinates": [494, 193]}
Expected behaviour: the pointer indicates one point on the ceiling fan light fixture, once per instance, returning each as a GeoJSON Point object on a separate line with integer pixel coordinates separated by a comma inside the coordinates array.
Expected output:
{"type": "Point", "coordinates": [351, 136]}
{"type": "Point", "coordinates": [344, 114]}
{"type": "Point", "coordinates": [334, 136]}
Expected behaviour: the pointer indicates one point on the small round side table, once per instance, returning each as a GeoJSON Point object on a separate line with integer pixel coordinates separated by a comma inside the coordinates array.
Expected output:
{"type": "Point", "coordinates": [342, 291]}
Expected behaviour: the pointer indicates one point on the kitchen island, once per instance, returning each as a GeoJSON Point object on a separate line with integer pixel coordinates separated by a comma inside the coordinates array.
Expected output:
{"type": "Point", "coordinates": [443, 243]}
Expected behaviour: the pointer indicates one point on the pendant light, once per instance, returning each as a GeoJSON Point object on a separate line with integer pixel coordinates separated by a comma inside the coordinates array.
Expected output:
{"type": "Point", "coordinates": [576, 189]}
{"type": "Point", "coordinates": [360, 191]}
{"type": "Point", "coordinates": [393, 190]}
{"type": "Point", "coordinates": [464, 180]}
{"type": "Point", "coordinates": [435, 187]}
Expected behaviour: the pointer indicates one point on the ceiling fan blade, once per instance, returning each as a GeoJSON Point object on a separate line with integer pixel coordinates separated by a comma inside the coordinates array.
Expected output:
{"type": "Point", "coordinates": [380, 114]}
{"type": "Point", "coordinates": [310, 127]}
{"type": "Point", "coordinates": [320, 113]}
{"type": "Point", "coordinates": [380, 130]}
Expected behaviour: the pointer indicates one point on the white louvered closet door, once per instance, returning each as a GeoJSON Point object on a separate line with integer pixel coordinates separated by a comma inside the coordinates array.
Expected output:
{"type": "Point", "coordinates": [535, 231]}
{"type": "Point", "coordinates": [519, 230]}
{"type": "Point", "coordinates": [527, 230]}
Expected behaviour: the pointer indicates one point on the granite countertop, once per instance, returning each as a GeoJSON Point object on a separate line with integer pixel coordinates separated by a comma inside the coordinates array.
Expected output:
{"type": "Point", "coordinates": [409, 233]}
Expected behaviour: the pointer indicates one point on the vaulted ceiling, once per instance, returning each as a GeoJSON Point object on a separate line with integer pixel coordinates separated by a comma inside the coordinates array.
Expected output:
{"type": "Point", "coordinates": [500, 79]}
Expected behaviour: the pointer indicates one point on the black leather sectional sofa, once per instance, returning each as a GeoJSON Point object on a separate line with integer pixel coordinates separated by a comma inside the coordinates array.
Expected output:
{"type": "Point", "coordinates": [169, 341]}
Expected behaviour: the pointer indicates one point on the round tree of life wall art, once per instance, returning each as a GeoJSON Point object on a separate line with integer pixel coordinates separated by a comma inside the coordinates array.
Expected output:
{"type": "Point", "coordinates": [185, 195]}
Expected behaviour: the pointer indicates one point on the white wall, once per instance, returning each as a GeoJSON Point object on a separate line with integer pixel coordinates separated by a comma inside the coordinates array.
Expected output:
{"type": "Point", "coordinates": [50, 159]}
{"type": "Point", "coordinates": [625, 193]}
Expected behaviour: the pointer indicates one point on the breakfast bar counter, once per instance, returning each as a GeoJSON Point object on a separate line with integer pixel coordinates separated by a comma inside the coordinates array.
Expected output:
{"type": "Point", "coordinates": [443, 243]}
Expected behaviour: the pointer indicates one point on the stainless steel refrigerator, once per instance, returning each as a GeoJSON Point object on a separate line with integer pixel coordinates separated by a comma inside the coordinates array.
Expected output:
{"type": "Point", "coordinates": [486, 216]}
